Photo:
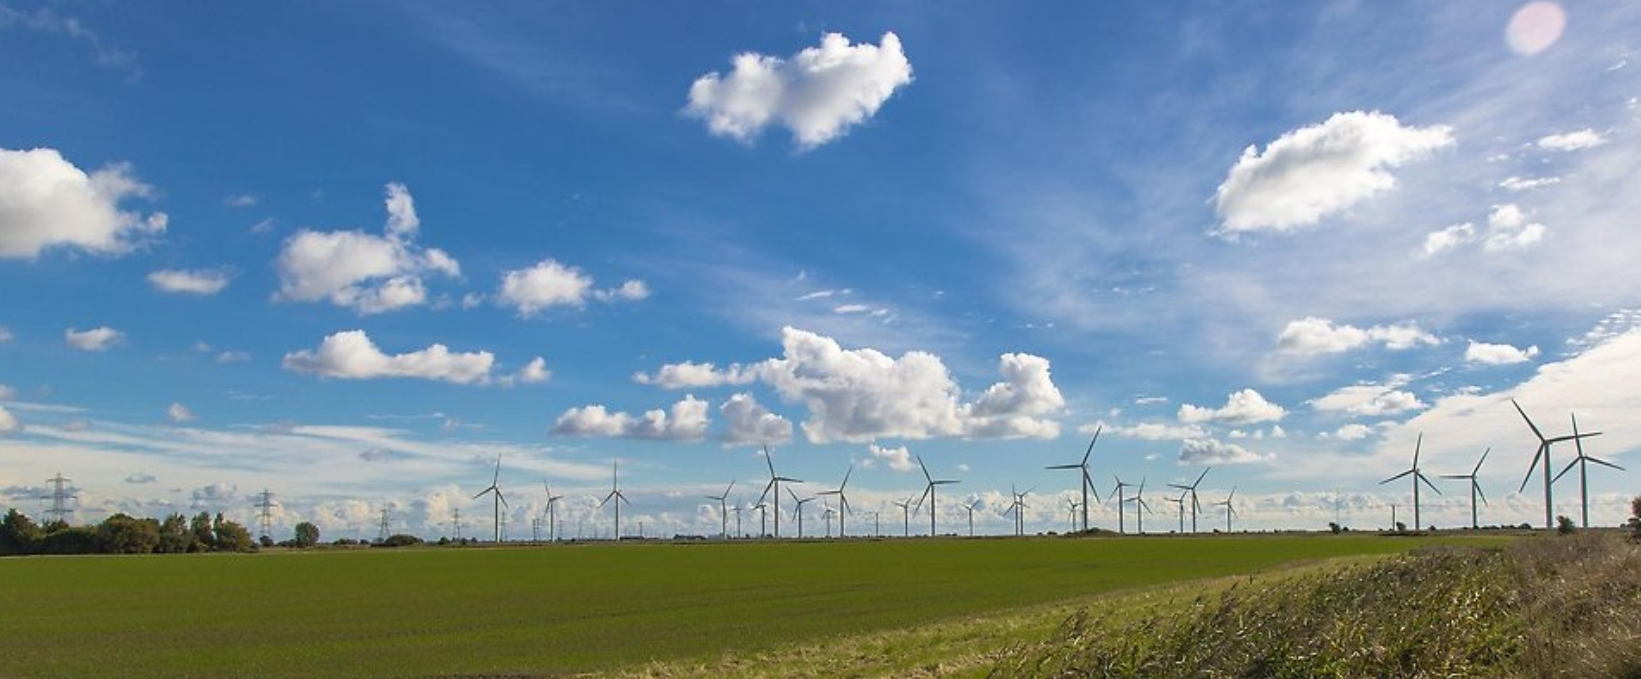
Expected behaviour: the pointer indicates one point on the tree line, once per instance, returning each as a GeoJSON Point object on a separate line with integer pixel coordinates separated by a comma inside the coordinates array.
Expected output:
{"type": "Point", "coordinates": [125, 534]}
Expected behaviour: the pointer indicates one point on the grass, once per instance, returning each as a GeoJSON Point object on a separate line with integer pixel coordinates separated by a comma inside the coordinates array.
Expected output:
{"type": "Point", "coordinates": [564, 609]}
{"type": "Point", "coordinates": [1542, 607]}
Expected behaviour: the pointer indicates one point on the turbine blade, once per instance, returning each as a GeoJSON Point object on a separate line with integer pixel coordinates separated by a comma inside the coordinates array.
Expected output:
{"type": "Point", "coordinates": [1524, 416]}
{"type": "Point", "coordinates": [846, 474]}
{"type": "Point", "coordinates": [925, 468]}
{"type": "Point", "coordinates": [1427, 482]}
{"type": "Point", "coordinates": [769, 461]}
{"type": "Point", "coordinates": [730, 488]}
{"type": "Point", "coordinates": [1417, 445]}
{"type": "Point", "coordinates": [1534, 465]}
{"type": "Point", "coordinates": [1480, 494]}
{"type": "Point", "coordinates": [765, 494]}
{"type": "Point", "coordinates": [1393, 478]}
{"type": "Point", "coordinates": [1091, 443]}
{"type": "Point", "coordinates": [1579, 442]}
{"type": "Point", "coordinates": [1604, 463]}
{"type": "Point", "coordinates": [1201, 476]}
{"type": "Point", "coordinates": [1566, 469]}
{"type": "Point", "coordinates": [1065, 466]}
{"type": "Point", "coordinates": [497, 478]}
{"type": "Point", "coordinates": [1484, 453]}
{"type": "Point", "coordinates": [1088, 481]}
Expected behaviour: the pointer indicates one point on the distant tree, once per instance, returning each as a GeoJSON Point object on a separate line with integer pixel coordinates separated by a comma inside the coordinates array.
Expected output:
{"type": "Point", "coordinates": [1401, 527]}
{"type": "Point", "coordinates": [1564, 525]}
{"type": "Point", "coordinates": [68, 539]}
{"type": "Point", "coordinates": [307, 534]}
{"type": "Point", "coordinates": [265, 542]}
{"type": "Point", "coordinates": [230, 536]}
{"type": "Point", "coordinates": [175, 537]}
{"type": "Point", "coordinates": [122, 534]}
{"type": "Point", "coordinates": [204, 535]}
{"type": "Point", "coordinates": [1334, 527]}
{"type": "Point", "coordinates": [1635, 516]}
{"type": "Point", "coordinates": [400, 540]}
{"type": "Point", "coordinates": [18, 534]}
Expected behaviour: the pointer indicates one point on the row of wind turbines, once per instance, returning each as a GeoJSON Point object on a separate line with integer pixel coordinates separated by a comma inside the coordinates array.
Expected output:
{"type": "Point", "coordinates": [1188, 501]}
{"type": "Point", "coordinates": [1581, 460]}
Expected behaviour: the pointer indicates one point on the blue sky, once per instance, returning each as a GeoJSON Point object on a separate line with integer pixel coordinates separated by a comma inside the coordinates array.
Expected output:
{"type": "Point", "coordinates": [320, 249]}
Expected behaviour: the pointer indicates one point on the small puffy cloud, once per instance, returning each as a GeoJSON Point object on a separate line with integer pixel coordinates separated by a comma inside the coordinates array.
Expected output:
{"type": "Point", "coordinates": [687, 421]}
{"type": "Point", "coordinates": [1371, 400]}
{"type": "Point", "coordinates": [1214, 451]}
{"type": "Point", "coordinates": [817, 94]}
{"type": "Point", "coordinates": [8, 422]}
{"type": "Point", "coordinates": [240, 200]}
{"type": "Point", "coordinates": [690, 375]}
{"type": "Point", "coordinates": [1509, 229]}
{"type": "Point", "coordinates": [1242, 407]}
{"type": "Point", "coordinates": [46, 202]}
{"type": "Point", "coordinates": [1353, 432]}
{"type": "Point", "coordinates": [195, 282]}
{"type": "Point", "coordinates": [1316, 171]}
{"type": "Point", "coordinates": [535, 372]}
{"type": "Point", "coordinates": [179, 413]}
{"type": "Point", "coordinates": [1524, 184]}
{"type": "Point", "coordinates": [1497, 354]}
{"type": "Point", "coordinates": [351, 355]}
{"type": "Point", "coordinates": [550, 283]}
{"type": "Point", "coordinates": [140, 478]}
{"type": "Point", "coordinates": [1438, 242]}
{"type": "Point", "coordinates": [751, 423]}
{"type": "Point", "coordinates": [1572, 141]}
{"type": "Point", "coordinates": [1149, 431]}
{"type": "Point", "coordinates": [231, 356]}
{"type": "Point", "coordinates": [898, 459]}
{"type": "Point", "coordinates": [367, 273]}
{"type": "Point", "coordinates": [215, 494]}
{"type": "Point", "coordinates": [7, 393]}
{"type": "Point", "coordinates": [96, 339]}
{"type": "Point", "coordinates": [1312, 336]}
{"type": "Point", "coordinates": [6, 335]}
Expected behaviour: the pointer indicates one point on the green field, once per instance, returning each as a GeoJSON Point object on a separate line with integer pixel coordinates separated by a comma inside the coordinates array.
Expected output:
{"type": "Point", "coordinates": [561, 609]}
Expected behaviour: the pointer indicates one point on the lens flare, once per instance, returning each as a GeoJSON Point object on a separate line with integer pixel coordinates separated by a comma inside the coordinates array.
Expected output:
{"type": "Point", "coordinates": [1535, 27]}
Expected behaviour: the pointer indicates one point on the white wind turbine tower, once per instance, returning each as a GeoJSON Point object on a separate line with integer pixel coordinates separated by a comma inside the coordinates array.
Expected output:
{"type": "Point", "coordinates": [1582, 462]}
{"type": "Point", "coordinates": [723, 510]}
{"type": "Point", "coordinates": [1087, 480]}
{"type": "Point", "coordinates": [1230, 509]}
{"type": "Point", "coordinates": [843, 500]}
{"type": "Point", "coordinates": [615, 494]}
{"type": "Point", "coordinates": [775, 485]}
{"type": "Point", "coordinates": [498, 501]}
{"type": "Point", "coordinates": [1544, 445]}
{"type": "Point", "coordinates": [1417, 477]}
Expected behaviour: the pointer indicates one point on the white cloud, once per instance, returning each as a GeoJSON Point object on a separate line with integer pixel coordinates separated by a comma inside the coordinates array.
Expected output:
{"type": "Point", "coordinates": [179, 413]}
{"type": "Point", "coordinates": [196, 282]}
{"type": "Point", "coordinates": [1508, 229]}
{"type": "Point", "coordinates": [1312, 172]}
{"type": "Point", "coordinates": [233, 356]}
{"type": "Point", "coordinates": [1497, 354]}
{"type": "Point", "coordinates": [1438, 242]}
{"type": "Point", "coordinates": [6, 335]}
{"type": "Point", "coordinates": [859, 395]}
{"type": "Point", "coordinates": [96, 339]}
{"type": "Point", "coordinates": [535, 372]}
{"type": "Point", "coordinates": [898, 459]}
{"type": "Point", "coordinates": [686, 422]}
{"type": "Point", "coordinates": [1242, 407]}
{"type": "Point", "coordinates": [8, 422]}
{"type": "Point", "coordinates": [1353, 432]}
{"type": "Point", "coordinates": [690, 375]}
{"type": "Point", "coordinates": [1523, 183]}
{"type": "Point", "coordinates": [351, 355]}
{"type": "Point", "coordinates": [1213, 451]}
{"type": "Point", "coordinates": [1149, 431]}
{"type": "Point", "coordinates": [367, 273]}
{"type": "Point", "coordinates": [1313, 336]}
{"type": "Point", "coordinates": [549, 283]}
{"type": "Point", "coordinates": [1572, 141]}
{"type": "Point", "coordinates": [46, 202]}
{"type": "Point", "coordinates": [1371, 400]}
{"type": "Point", "coordinates": [817, 94]}
{"type": "Point", "coordinates": [402, 221]}
{"type": "Point", "coordinates": [751, 423]}
{"type": "Point", "coordinates": [7, 393]}
{"type": "Point", "coordinates": [240, 200]}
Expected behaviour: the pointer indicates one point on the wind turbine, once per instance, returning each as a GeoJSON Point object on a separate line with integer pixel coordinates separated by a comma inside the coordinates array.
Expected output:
{"type": "Point", "coordinates": [738, 509]}
{"type": "Point", "coordinates": [1117, 490]}
{"type": "Point", "coordinates": [1180, 502]}
{"type": "Point", "coordinates": [1139, 505]}
{"type": "Point", "coordinates": [970, 507]}
{"type": "Point", "coordinates": [1583, 472]}
{"type": "Point", "coordinates": [723, 510]}
{"type": "Point", "coordinates": [1192, 489]}
{"type": "Point", "coordinates": [1018, 508]}
{"type": "Point", "coordinates": [928, 492]}
{"type": "Point", "coordinates": [905, 516]}
{"type": "Point", "coordinates": [498, 500]}
{"type": "Point", "coordinates": [843, 500]}
{"type": "Point", "coordinates": [827, 513]}
{"type": "Point", "coordinates": [1544, 452]}
{"type": "Point", "coordinates": [775, 485]}
{"type": "Point", "coordinates": [1071, 512]}
{"type": "Point", "coordinates": [615, 494]}
{"type": "Point", "coordinates": [798, 510]}
{"type": "Point", "coordinates": [552, 512]}
{"type": "Point", "coordinates": [1475, 488]}
{"type": "Point", "coordinates": [1087, 481]}
{"type": "Point", "coordinates": [1417, 477]}
{"type": "Point", "coordinates": [763, 518]}
{"type": "Point", "coordinates": [1230, 510]}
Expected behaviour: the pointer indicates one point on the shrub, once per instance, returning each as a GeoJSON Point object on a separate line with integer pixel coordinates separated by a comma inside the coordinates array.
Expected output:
{"type": "Point", "coordinates": [401, 540]}
{"type": "Point", "coordinates": [121, 534]}
{"type": "Point", "coordinates": [1334, 527]}
{"type": "Point", "coordinates": [307, 534]}
{"type": "Point", "coordinates": [1564, 526]}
